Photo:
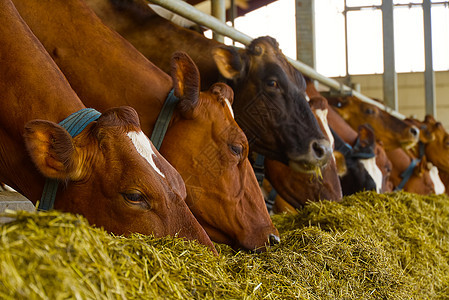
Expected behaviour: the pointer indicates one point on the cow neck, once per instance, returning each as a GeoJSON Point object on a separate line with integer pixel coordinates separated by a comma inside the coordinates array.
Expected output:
{"type": "Point", "coordinates": [348, 151]}
{"type": "Point", "coordinates": [259, 171]}
{"type": "Point", "coordinates": [411, 167]}
{"type": "Point", "coordinates": [74, 124]}
{"type": "Point", "coordinates": [163, 120]}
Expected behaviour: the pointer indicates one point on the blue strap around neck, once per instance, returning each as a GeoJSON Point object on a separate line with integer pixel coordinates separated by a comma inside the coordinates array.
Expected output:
{"type": "Point", "coordinates": [161, 126]}
{"type": "Point", "coordinates": [259, 171]}
{"type": "Point", "coordinates": [259, 168]}
{"type": "Point", "coordinates": [407, 173]}
{"type": "Point", "coordinates": [74, 124]}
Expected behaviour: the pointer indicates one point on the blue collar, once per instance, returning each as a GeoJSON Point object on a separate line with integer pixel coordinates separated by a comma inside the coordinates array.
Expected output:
{"type": "Point", "coordinates": [74, 124]}
{"type": "Point", "coordinates": [408, 173]}
{"type": "Point", "coordinates": [161, 126]}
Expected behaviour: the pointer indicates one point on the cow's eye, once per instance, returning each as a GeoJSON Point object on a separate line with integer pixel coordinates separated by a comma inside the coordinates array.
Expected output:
{"type": "Point", "coordinates": [369, 111]}
{"type": "Point", "coordinates": [236, 149]}
{"type": "Point", "coordinates": [135, 198]}
{"type": "Point", "coordinates": [272, 83]}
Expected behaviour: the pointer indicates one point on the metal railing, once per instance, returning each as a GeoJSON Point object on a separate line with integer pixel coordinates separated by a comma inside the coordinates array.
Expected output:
{"type": "Point", "coordinates": [188, 11]}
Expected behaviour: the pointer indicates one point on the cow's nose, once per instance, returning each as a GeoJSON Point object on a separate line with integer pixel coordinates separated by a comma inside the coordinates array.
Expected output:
{"type": "Point", "coordinates": [273, 239]}
{"type": "Point", "coordinates": [319, 150]}
{"type": "Point", "coordinates": [414, 131]}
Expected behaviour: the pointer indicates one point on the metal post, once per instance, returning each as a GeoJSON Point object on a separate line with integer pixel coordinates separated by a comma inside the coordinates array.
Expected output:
{"type": "Point", "coordinates": [429, 76]}
{"type": "Point", "coordinates": [389, 76]}
{"type": "Point", "coordinates": [233, 15]}
{"type": "Point", "coordinates": [305, 31]}
{"type": "Point", "coordinates": [345, 15]}
{"type": "Point", "coordinates": [218, 10]}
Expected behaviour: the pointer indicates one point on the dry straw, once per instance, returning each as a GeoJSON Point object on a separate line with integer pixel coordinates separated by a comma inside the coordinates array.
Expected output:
{"type": "Point", "coordinates": [369, 246]}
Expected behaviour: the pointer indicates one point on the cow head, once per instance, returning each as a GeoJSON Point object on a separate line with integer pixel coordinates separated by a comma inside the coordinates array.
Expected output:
{"type": "Point", "coordinates": [205, 144]}
{"type": "Point", "coordinates": [113, 176]}
{"type": "Point", "coordinates": [393, 132]}
{"type": "Point", "coordinates": [362, 173]}
{"type": "Point", "coordinates": [271, 107]}
{"type": "Point", "coordinates": [437, 148]}
{"type": "Point", "coordinates": [299, 188]}
{"type": "Point", "coordinates": [385, 166]}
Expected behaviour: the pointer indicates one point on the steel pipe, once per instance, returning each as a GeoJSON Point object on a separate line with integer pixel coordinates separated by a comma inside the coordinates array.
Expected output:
{"type": "Point", "coordinates": [187, 11]}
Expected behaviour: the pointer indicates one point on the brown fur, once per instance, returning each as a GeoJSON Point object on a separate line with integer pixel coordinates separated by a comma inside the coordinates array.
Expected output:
{"type": "Point", "coordinates": [394, 133]}
{"type": "Point", "coordinates": [283, 131]}
{"type": "Point", "coordinates": [102, 177]}
{"type": "Point", "coordinates": [106, 71]}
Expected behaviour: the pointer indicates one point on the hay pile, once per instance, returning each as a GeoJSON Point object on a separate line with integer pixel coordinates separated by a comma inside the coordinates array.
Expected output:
{"type": "Point", "coordinates": [368, 247]}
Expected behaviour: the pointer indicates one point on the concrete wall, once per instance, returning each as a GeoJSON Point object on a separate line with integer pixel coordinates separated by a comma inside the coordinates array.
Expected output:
{"type": "Point", "coordinates": [410, 93]}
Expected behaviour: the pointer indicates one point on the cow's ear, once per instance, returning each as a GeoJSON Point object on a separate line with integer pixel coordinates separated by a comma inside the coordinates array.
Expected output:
{"type": "Point", "coordinates": [340, 161]}
{"type": "Point", "coordinates": [429, 119]}
{"type": "Point", "coordinates": [366, 136]}
{"type": "Point", "coordinates": [51, 149]}
{"type": "Point", "coordinates": [186, 81]}
{"type": "Point", "coordinates": [228, 61]}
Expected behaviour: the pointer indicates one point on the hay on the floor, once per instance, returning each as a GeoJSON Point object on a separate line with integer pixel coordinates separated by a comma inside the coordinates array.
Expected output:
{"type": "Point", "coordinates": [369, 246]}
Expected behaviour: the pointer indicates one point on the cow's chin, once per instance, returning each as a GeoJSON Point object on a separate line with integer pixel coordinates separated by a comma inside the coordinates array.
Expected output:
{"type": "Point", "coordinates": [304, 167]}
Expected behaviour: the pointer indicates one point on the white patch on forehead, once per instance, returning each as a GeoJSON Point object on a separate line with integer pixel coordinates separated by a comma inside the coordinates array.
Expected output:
{"type": "Point", "coordinates": [374, 171]}
{"type": "Point", "coordinates": [228, 104]}
{"type": "Point", "coordinates": [437, 183]}
{"type": "Point", "coordinates": [322, 115]}
{"type": "Point", "coordinates": [144, 147]}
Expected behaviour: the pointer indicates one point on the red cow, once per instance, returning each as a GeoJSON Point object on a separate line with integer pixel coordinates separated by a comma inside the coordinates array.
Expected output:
{"type": "Point", "coordinates": [109, 171]}
{"type": "Point", "coordinates": [270, 104]}
{"type": "Point", "coordinates": [396, 136]}
{"type": "Point", "coordinates": [393, 132]}
{"type": "Point", "coordinates": [203, 141]}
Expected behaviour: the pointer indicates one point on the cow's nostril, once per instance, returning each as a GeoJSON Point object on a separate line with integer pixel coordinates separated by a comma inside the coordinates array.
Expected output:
{"type": "Point", "coordinates": [414, 131]}
{"type": "Point", "coordinates": [273, 239]}
{"type": "Point", "coordinates": [318, 149]}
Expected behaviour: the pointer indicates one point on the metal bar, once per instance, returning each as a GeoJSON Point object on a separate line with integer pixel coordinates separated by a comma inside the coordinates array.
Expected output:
{"type": "Point", "coordinates": [389, 77]}
{"type": "Point", "coordinates": [187, 11]}
{"type": "Point", "coordinates": [429, 75]}
{"type": "Point", "coordinates": [345, 15]}
{"type": "Point", "coordinates": [218, 10]}
{"type": "Point", "coordinates": [305, 31]}
{"type": "Point", "coordinates": [362, 7]}
{"type": "Point", "coordinates": [233, 15]}
{"type": "Point", "coordinates": [356, 8]}
{"type": "Point", "coordinates": [233, 12]}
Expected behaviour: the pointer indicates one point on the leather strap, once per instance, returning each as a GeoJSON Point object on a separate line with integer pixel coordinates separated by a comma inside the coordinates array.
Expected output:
{"type": "Point", "coordinates": [161, 126]}
{"type": "Point", "coordinates": [74, 124]}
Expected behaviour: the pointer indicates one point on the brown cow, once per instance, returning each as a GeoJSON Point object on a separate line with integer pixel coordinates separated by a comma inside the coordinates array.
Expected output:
{"type": "Point", "coordinates": [361, 172]}
{"type": "Point", "coordinates": [396, 135]}
{"type": "Point", "coordinates": [393, 132]}
{"type": "Point", "coordinates": [203, 141]}
{"type": "Point", "coordinates": [434, 145]}
{"type": "Point", "coordinates": [298, 188]}
{"type": "Point", "coordinates": [109, 172]}
{"type": "Point", "coordinates": [420, 180]}
{"type": "Point", "coordinates": [269, 93]}
{"type": "Point", "coordinates": [437, 147]}
{"type": "Point", "coordinates": [385, 166]}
